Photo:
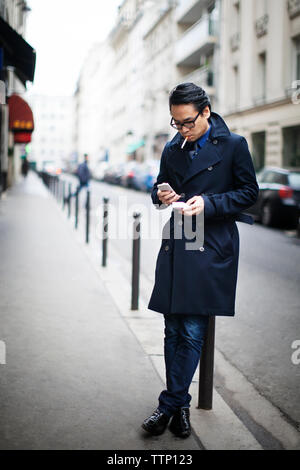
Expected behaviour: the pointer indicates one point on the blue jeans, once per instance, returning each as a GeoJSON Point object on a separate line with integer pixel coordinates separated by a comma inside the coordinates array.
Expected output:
{"type": "Point", "coordinates": [184, 338]}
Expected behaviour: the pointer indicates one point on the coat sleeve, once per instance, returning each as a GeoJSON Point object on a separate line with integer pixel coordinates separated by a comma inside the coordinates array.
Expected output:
{"type": "Point", "coordinates": [246, 189]}
{"type": "Point", "coordinates": [161, 178]}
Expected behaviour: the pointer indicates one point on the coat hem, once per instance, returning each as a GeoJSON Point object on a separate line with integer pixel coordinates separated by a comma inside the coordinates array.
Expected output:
{"type": "Point", "coordinates": [205, 312]}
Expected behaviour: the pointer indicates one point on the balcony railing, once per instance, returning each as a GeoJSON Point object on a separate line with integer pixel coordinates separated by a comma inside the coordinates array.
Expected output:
{"type": "Point", "coordinates": [203, 77]}
{"type": "Point", "coordinates": [261, 26]}
{"type": "Point", "coordinates": [185, 9]}
{"type": "Point", "coordinates": [293, 8]}
{"type": "Point", "coordinates": [123, 25]}
{"type": "Point", "coordinates": [196, 40]}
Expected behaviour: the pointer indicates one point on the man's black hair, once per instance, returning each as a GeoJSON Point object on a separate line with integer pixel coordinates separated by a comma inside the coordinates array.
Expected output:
{"type": "Point", "coordinates": [189, 93]}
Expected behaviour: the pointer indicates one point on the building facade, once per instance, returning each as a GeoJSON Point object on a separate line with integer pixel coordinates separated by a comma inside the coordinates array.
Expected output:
{"type": "Point", "coordinates": [153, 46]}
{"type": "Point", "coordinates": [244, 53]}
{"type": "Point", "coordinates": [17, 65]}
{"type": "Point", "coordinates": [260, 57]}
{"type": "Point", "coordinates": [198, 44]}
{"type": "Point", "coordinates": [52, 140]}
{"type": "Point", "coordinates": [124, 84]}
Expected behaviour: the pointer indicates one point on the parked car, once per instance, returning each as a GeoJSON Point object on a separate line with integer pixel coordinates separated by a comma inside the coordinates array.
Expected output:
{"type": "Point", "coordinates": [128, 174]}
{"type": "Point", "coordinates": [138, 174]}
{"type": "Point", "coordinates": [52, 168]}
{"type": "Point", "coordinates": [278, 202]}
{"type": "Point", "coordinates": [152, 173]}
{"type": "Point", "coordinates": [145, 175]}
{"type": "Point", "coordinates": [99, 171]}
{"type": "Point", "coordinates": [112, 174]}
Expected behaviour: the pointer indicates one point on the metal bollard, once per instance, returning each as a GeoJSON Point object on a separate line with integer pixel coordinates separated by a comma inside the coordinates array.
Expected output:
{"type": "Point", "coordinates": [135, 262]}
{"type": "Point", "coordinates": [105, 230]}
{"type": "Point", "coordinates": [87, 225]}
{"type": "Point", "coordinates": [69, 200]}
{"type": "Point", "coordinates": [206, 375]}
{"type": "Point", "coordinates": [56, 186]}
{"type": "Point", "coordinates": [59, 190]}
{"type": "Point", "coordinates": [63, 194]}
{"type": "Point", "coordinates": [53, 185]}
{"type": "Point", "coordinates": [76, 208]}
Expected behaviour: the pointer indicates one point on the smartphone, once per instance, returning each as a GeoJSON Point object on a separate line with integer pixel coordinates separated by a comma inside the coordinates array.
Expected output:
{"type": "Point", "coordinates": [165, 187]}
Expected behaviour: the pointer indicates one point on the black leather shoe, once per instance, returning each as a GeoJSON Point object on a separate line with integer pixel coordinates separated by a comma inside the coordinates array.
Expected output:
{"type": "Point", "coordinates": [156, 423]}
{"type": "Point", "coordinates": [180, 424]}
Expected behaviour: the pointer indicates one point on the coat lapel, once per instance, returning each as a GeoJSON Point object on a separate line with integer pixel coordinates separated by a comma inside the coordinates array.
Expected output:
{"type": "Point", "coordinates": [207, 157]}
{"type": "Point", "coordinates": [180, 162]}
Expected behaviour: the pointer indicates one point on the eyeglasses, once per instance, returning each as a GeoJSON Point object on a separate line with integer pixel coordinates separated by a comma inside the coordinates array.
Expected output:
{"type": "Point", "coordinates": [187, 124]}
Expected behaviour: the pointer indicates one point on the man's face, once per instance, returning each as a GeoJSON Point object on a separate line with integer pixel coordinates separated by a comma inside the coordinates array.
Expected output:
{"type": "Point", "coordinates": [187, 112]}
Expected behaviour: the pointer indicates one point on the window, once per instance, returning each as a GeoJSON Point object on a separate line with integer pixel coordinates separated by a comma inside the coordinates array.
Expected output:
{"type": "Point", "coordinates": [294, 180]}
{"type": "Point", "coordinates": [280, 178]}
{"type": "Point", "coordinates": [269, 177]}
{"type": "Point", "coordinates": [296, 58]}
{"type": "Point", "coordinates": [258, 149]}
{"type": "Point", "coordinates": [2, 9]}
{"type": "Point", "coordinates": [261, 78]}
{"type": "Point", "coordinates": [291, 146]}
{"type": "Point", "coordinates": [236, 86]}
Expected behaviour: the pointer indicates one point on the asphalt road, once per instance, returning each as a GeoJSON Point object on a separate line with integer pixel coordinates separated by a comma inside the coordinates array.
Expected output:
{"type": "Point", "coordinates": [258, 340]}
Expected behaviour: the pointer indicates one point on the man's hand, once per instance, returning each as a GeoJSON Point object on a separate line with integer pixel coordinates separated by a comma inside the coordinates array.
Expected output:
{"type": "Point", "coordinates": [167, 197]}
{"type": "Point", "coordinates": [196, 206]}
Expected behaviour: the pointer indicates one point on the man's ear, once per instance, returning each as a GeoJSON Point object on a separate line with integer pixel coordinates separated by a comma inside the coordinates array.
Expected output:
{"type": "Point", "coordinates": [206, 112]}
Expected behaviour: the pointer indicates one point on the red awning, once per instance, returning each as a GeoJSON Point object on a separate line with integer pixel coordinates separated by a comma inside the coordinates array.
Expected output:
{"type": "Point", "coordinates": [20, 115]}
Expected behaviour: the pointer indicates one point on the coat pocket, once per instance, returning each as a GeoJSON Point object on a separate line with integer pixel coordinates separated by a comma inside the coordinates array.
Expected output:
{"type": "Point", "coordinates": [220, 239]}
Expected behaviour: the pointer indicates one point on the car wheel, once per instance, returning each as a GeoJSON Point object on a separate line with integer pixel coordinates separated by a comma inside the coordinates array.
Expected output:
{"type": "Point", "coordinates": [267, 216]}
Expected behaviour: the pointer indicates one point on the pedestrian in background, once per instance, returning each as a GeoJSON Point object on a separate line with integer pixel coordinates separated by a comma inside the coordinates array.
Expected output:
{"type": "Point", "coordinates": [211, 170]}
{"type": "Point", "coordinates": [84, 175]}
{"type": "Point", "coordinates": [25, 167]}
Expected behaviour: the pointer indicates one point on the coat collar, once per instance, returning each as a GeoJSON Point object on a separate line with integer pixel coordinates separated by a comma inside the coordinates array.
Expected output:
{"type": "Point", "coordinates": [208, 156]}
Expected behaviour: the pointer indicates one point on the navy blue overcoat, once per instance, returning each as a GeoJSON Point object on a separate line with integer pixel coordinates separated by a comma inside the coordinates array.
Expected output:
{"type": "Point", "coordinates": [203, 281]}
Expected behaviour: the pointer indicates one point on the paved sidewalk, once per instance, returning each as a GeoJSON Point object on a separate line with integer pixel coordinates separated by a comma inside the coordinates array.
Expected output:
{"type": "Point", "coordinates": [75, 375]}
{"type": "Point", "coordinates": [82, 370]}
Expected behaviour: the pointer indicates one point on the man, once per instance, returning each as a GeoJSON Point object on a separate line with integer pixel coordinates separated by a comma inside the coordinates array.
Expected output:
{"type": "Point", "coordinates": [211, 170]}
{"type": "Point", "coordinates": [25, 167]}
{"type": "Point", "coordinates": [84, 176]}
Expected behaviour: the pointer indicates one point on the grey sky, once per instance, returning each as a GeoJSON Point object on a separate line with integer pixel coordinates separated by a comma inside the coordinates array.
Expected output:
{"type": "Point", "coordinates": [62, 32]}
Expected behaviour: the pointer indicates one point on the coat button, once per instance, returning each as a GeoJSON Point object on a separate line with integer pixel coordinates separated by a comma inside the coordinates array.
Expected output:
{"type": "Point", "coordinates": [167, 248]}
{"type": "Point", "coordinates": [210, 168]}
{"type": "Point", "coordinates": [201, 248]}
{"type": "Point", "coordinates": [182, 195]}
{"type": "Point", "coordinates": [215, 141]}
{"type": "Point", "coordinates": [180, 223]}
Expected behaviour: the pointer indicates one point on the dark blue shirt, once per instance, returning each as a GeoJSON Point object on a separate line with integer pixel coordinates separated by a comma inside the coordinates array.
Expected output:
{"type": "Point", "coordinates": [199, 144]}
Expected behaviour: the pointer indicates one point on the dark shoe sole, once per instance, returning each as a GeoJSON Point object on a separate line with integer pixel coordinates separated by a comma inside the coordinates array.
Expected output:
{"type": "Point", "coordinates": [178, 433]}
{"type": "Point", "coordinates": [152, 432]}
{"type": "Point", "coordinates": [183, 435]}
